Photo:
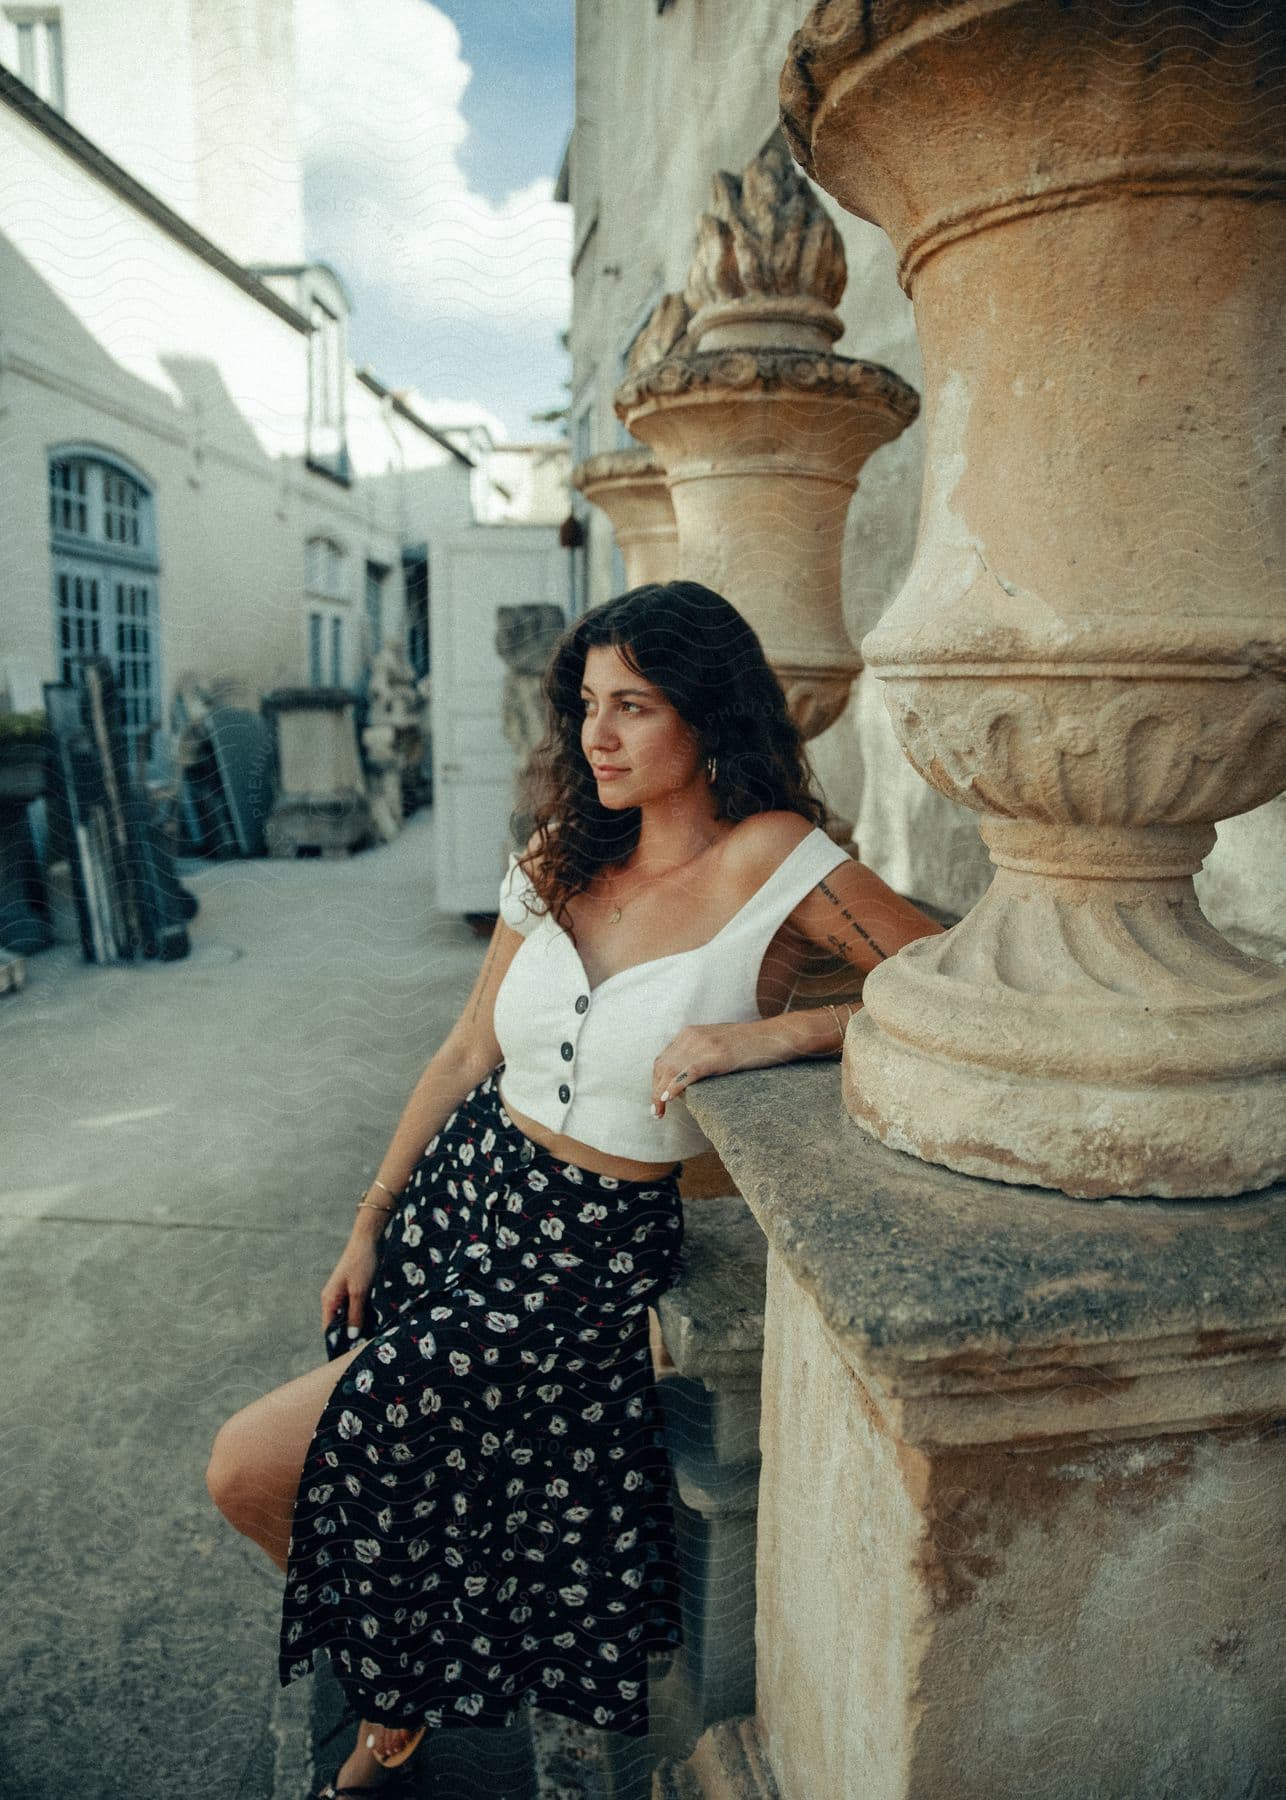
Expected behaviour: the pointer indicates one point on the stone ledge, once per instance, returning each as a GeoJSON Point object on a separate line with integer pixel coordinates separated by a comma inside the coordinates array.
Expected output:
{"type": "Point", "coordinates": [979, 1311]}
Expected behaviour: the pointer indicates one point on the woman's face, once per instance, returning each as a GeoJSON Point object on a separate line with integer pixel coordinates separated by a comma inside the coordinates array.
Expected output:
{"type": "Point", "coordinates": [637, 745]}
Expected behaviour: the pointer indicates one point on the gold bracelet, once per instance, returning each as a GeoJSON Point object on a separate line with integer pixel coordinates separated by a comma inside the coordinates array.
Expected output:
{"type": "Point", "coordinates": [834, 1015]}
{"type": "Point", "coordinates": [373, 1204]}
{"type": "Point", "coordinates": [376, 1182]}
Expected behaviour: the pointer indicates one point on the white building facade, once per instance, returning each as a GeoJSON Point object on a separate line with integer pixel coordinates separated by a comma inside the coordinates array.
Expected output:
{"type": "Point", "coordinates": [197, 481]}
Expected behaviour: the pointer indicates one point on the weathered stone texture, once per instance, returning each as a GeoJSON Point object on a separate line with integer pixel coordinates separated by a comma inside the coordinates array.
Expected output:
{"type": "Point", "coordinates": [1022, 1504]}
{"type": "Point", "coordinates": [1089, 646]}
{"type": "Point", "coordinates": [664, 102]}
{"type": "Point", "coordinates": [763, 430]}
{"type": "Point", "coordinates": [630, 487]}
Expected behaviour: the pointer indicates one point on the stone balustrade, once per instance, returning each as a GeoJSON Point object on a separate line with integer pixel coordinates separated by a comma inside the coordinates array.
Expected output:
{"type": "Point", "coordinates": [1020, 1489]}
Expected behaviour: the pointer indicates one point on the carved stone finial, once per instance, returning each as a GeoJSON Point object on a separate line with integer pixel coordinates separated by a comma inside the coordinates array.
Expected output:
{"type": "Point", "coordinates": [665, 331]}
{"type": "Point", "coordinates": [766, 233]}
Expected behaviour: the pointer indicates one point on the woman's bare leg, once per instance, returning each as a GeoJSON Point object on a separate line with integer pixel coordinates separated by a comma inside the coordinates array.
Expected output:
{"type": "Point", "coordinates": [258, 1456]}
{"type": "Point", "coordinates": [254, 1473]}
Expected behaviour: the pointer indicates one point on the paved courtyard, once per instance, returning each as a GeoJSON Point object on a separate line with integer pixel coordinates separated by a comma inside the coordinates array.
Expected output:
{"type": "Point", "coordinates": [181, 1146]}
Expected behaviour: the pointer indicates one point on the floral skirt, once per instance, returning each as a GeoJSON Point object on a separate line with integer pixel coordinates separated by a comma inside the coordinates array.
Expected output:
{"type": "Point", "coordinates": [483, 1522]}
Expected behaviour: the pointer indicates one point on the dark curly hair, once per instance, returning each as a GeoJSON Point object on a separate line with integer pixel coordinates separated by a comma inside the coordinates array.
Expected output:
{"type": "Point", "coordinates": [697, 649]}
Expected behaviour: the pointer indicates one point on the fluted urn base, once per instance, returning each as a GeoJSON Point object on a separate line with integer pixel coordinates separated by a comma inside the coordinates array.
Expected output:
{"type": "Point", "coordinates": [1092, 1035]}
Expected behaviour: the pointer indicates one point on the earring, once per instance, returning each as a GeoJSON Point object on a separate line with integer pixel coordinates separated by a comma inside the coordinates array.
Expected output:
{"type": "Point", "coordinates": [712, 769]}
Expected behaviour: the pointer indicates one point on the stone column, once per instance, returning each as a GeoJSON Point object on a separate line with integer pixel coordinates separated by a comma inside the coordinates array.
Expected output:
{"type": "Point", "coordinates": [630, 487]}
{"type": "Point", "coordinates": [762, 428]}
{"type": "Point", "coordinates": [1085, 200]}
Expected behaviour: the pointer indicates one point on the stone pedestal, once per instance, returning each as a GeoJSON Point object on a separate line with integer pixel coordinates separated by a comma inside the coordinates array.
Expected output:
{"type": "Point", "coordinates": [1085, 200]}
{"type": "Point", "coordinates": [762, 429]}
{"type": "Point", "coordinates": [1021, 1498]}
{"type": "Point", "coordinates": [321, 802]}
{"type": "Point", "coordinates": [630, 487]}
{"type": "Point", "coordinates": [712, 1321]}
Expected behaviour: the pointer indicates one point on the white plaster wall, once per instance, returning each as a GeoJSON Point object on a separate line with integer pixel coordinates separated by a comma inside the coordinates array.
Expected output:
{"type": "Point", "coordinates": [535, 476]}
{"type": "Point", "coordinates": [662, 102]}
{"type": "Point", "coordinates": [249, 181]}
{"type": "Point", "coordinates": [196, 100]}
{"type": "Point", "coordinates": [113, 334]}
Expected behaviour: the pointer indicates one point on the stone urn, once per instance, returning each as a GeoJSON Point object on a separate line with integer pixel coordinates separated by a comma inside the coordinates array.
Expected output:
{"type": "Point", "coordinates": [1085, 198]}
{"type": "Point", "coordinates": [762, 428]}
{"type": "Point", "coordinates": [629, 485]}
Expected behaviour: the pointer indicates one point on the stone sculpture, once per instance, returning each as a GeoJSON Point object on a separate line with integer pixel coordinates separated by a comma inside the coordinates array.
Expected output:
{"type": "Point", "coordinates": [630, 487]}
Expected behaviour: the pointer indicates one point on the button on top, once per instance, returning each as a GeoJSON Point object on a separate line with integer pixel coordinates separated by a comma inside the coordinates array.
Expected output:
{"type": "Point", "coordinates": [582, 1003]}
{"type": "Point", "coordinates": [567, 1052]}
{"type": "Point", "coordinates": [564, 1093]}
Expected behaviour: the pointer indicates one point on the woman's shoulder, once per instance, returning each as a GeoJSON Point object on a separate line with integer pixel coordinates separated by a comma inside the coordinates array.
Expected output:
{"type": "Point", "coordinates": [758, 845]}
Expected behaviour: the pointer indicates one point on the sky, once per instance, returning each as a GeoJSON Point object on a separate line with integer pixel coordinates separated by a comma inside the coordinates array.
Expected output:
{"type": "Point", "coordinates": [431, 138]}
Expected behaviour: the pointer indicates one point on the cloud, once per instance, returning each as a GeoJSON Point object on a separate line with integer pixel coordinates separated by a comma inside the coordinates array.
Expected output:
{"type": "Point", "coordinates": [381, 84]}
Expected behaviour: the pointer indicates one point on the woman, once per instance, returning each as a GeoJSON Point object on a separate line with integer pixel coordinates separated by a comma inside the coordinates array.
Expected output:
{"type": "Point", "coordinates": [470, 1503]}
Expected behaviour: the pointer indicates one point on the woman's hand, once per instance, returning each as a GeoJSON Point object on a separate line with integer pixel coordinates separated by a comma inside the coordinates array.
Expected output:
{"type": "Point", "coordinates": [349, 1283]}
{"type": "Point", "coordinates": [698, 1051]}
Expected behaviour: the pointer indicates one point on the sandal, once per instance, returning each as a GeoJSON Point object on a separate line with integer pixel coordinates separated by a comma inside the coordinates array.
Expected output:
{"type": "Point", "coordinates": [401, 1756]}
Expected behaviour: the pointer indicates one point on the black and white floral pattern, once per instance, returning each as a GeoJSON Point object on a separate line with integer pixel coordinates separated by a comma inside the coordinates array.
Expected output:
{"type": "Point", "coordinates": [483, 1521]}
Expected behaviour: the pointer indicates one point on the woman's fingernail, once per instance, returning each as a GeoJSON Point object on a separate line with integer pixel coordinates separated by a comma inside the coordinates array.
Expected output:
{"type": "Point", "coordinates": [655, 1113]}
{"type": "Point", "coordinates": [352, 1331]}
{"type": "Point", "coordinates": [665, 1096]}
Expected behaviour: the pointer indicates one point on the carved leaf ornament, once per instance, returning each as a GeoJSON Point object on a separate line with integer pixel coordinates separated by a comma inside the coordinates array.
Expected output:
{"type": "Point", "coordinates": [766, 233]}
{"type": "Point", "coordinates": [801, 371]}
{"type": "Point", "coordinates": [1154, 753]}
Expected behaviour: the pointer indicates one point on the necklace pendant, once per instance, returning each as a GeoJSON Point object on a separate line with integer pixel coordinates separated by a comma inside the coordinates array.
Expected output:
{"type": "Point", "coordinates": [616, 916]}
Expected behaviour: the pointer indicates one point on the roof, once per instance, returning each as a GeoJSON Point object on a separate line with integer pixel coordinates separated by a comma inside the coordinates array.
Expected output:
{"type": "Point", "coordinates": [408, 412]}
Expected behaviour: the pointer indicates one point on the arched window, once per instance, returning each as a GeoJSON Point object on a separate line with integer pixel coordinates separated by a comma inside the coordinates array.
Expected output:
{"type": "Point", "coordinates": [103, 536]}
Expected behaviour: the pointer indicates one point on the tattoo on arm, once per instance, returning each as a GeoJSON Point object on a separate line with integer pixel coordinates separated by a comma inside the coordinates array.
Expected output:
{"type": "Point", "coordinates": [861, 930]}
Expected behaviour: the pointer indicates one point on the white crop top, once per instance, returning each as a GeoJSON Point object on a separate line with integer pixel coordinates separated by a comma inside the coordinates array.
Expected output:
{"type": "Point", "coordinates": [579, 1060]}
